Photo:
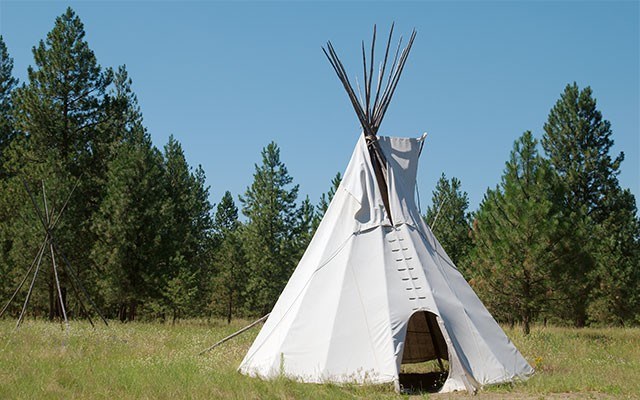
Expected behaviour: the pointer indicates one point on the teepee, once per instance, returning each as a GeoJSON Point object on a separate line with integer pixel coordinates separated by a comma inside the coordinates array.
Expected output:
{"type": "Point", "coordinates": [375, 289]}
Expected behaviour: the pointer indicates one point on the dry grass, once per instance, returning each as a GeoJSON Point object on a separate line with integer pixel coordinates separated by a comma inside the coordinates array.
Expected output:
{"type": "Point", "coordinates": [156, 361]}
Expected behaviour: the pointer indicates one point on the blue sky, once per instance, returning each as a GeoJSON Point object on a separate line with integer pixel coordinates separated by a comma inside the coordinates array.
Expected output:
{"type": "Point", "coordinates": [226, 78]}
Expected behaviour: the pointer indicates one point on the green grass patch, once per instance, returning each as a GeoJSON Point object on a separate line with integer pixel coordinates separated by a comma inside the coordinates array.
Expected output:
{"type": "Point", "coordinates": [160, 361]}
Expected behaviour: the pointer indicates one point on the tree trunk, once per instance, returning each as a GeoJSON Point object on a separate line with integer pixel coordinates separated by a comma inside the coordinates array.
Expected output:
{"type": "Point", "coordinates": [525, 324]}
{"type": "Point", "coordinates": [132, 310]}
{"type": "Point", "coordinates": [230, 307]}
{"type": "Point", "coordinates": [51, 299]}
{"type": "Point", "coordinates": [122, 312]}
{"type": "Point", "coordinates": [581, 316]}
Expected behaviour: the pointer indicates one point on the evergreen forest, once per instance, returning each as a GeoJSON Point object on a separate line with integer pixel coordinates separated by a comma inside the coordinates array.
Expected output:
{"type": "Point", "coordinates": [557, 240]}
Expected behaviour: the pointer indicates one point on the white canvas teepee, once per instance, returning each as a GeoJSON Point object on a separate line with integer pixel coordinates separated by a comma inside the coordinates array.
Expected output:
{"type": "Point", "coordinates": [346, 313]}
{"type": "Point", "coordinates": [374, 288]}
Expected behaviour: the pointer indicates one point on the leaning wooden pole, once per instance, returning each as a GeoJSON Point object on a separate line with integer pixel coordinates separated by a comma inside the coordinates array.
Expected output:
{"type": "Point", "coordinates": [35, 274]}
{"type": "Point", "coordinates": [246, 328]}
{"type": "Point", "coordinates": [33, 281]}
{"type": "Point", "coordinates": [26, 276]}
{"type": "Point", "coordinates": [78, 296]}
{"type": "Point", "coordinates": [60, 297]}
{"type": "Point", "coordinates": [74, 275]}
{"type": "Point", "coordinates": [435, 219]}
{"type": "Point", "coordinates": [49, 223]}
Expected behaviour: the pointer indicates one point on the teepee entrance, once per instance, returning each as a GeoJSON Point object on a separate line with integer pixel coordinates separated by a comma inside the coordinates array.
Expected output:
{"type": "Point", "coordinates": [424, 357]}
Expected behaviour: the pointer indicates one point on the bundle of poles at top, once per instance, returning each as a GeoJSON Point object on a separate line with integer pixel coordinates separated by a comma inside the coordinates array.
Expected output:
{"type": "Point", "coordinates": [370, 113]}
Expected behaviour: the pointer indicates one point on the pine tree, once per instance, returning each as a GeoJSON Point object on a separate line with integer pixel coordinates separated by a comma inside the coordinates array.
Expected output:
{"type": "Point", "coordinates": [7, 84]}
{"type": "Point", "coordinates": [226, 217]}
{"type": "Point", "coordinates": [449, 220]}
{"type": "Point", "coordinates": [304, 227]}
{"type": "Point", "coordinates": [270, 207]}
{"type": "Point", "coordinates": [615, 298]}
{"type": "Point", "coordinates": [129, 227]}
{"type": "Point", "coordinates": [517, 232]}
{"type": "Point", "coordinates": [181, 290]}
{"type": "Point", "coordinates": [188, 226]}
{"type": "Point", "coordinates": [229, 264]}
{"type": "Point", "coordinates": [578, 143]}
{"type": "Point", "coordinates": [60, 106]}
{"type": "Point", "coordinates": [179, 204]}
{"type": "Point", "coordinates": [122, 109]}
{"type": "Point", "coordinates": [120, 123]}
{"type": "Point", "coordinates": [58, 115]}
{"type": "Point", "coordinates": [325, 200]}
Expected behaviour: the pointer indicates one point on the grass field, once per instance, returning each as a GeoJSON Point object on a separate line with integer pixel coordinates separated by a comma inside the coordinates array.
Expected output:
{"type": "Point", "coordinates": [157, 361]}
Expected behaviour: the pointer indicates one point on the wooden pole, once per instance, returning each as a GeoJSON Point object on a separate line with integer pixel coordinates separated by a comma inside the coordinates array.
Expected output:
{"type": "Point", "coordinates": [55, 272]}
{"type": "Point", "coordinates": [35, 274]}
{"type": "Point", "coordinates": [38, 255]}
{"type": "Point", "coordinates": [434, 339]}
{"type": "Point", "coordinates": [48, 224]}
{"type": "Point", "coordinates": [246, 328]}
{"type": "Point", "coordinates": [371, 114]}
{"type": "Point", "coordinates": [33, 264]}
{"type": "Point", "coordinates": [435, 219]}
{"type": "Point", "coordinates": [75, 290]}
{"type": "Point", "coordinates": [73, 273]}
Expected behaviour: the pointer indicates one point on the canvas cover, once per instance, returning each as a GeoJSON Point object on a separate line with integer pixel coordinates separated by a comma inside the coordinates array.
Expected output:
{"type": "Point", "coordinates": [344, 314]}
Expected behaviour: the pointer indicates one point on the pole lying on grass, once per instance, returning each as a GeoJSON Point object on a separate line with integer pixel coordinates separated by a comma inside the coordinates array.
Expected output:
{"type": "Point", "coordinates": [246, 328]}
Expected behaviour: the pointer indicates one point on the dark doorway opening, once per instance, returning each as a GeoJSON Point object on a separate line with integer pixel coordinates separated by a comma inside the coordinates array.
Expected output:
{"type": "Point", "coordinates": [425, 359]}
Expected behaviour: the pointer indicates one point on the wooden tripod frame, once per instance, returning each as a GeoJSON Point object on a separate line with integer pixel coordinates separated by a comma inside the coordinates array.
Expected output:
{"type": "Point", "coordinates": [49, 219]}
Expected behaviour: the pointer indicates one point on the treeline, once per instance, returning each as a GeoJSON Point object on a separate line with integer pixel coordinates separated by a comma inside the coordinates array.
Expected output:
{"type": "Point", "coordinates": [556, 239]}
{"type": "Point", "coordinates": [139, 228]}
